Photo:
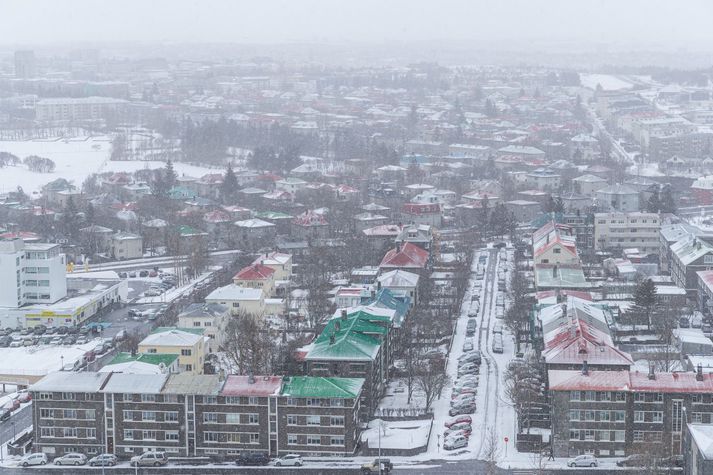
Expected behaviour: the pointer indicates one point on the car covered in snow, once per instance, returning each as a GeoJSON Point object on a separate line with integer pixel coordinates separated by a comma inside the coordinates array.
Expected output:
{"type": "Point", "coordinates": [458, 420]}
{"type": "Point", "coordinates": [456, 442]}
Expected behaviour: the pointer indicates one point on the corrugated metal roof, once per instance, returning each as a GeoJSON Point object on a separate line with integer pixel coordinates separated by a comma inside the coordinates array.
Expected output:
{"type": "Point", "coordinates": [135, 383]}
{"type": "Point", "coordinates": [317, 387]}
{"type": "Point", "coordinates": [68, 381]}
{"type": "Point", "coordinates": [239, 385]}
{"type": "Point", "coordinates": [186, 383]}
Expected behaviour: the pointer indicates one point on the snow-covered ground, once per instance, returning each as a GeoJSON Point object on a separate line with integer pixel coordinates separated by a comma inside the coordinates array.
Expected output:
{"type": "Point", "coordinates": [397, 434]}
{"type": "Point", "coordinates": [182, 169]}
{"type": "Point", "coordinates": [40, 360]}
{"type": "Point", "coordinates": [607, 81]}
{"type": "Point", "coordinates": [74, 158]}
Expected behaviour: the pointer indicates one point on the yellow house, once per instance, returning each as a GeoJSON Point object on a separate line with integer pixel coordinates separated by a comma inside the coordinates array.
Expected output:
{"type": "Point", "coordinates": [257, 276]}
{"type": "Point", "coordinates": [239, 299]}
{"type": "Point", "coordinates": [188, 343]}
{"type": "Point", "coordinates": [280, 262]}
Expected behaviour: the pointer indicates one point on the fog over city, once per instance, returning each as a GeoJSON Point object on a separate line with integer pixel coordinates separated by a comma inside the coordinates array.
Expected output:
{"type": "Point", "coordinates": [356, 237]}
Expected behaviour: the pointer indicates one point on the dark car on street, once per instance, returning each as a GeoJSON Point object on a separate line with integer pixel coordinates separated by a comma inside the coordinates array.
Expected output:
{"type": "Point", "coordinates": [253, 458]}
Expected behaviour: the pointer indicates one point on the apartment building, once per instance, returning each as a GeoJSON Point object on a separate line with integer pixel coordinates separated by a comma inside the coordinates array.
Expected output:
{"type": "Point", "coordinates": [195, 415]}
{"type": "Point", "coordinates": [689, 256]}
{"type": "Point", "coordinates": [31, 273]}
{"type": "Point", "coordinates": [627, 230]}
{"type": "Point", "coordinates": [71, 109]}
{"type": "Point", "coordinates": [618, 413]}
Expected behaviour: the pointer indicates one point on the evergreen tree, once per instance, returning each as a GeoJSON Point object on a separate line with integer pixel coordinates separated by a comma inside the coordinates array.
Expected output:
{"type": "Point", "coordinates": [89, 214]}
{"type": "Point", "coordinates": [229, 187]}
{"type": "Point", "coordinates": [645, 300]}
{"type": "Point", "coordinates": [484, 215]}
{"type": "Point", "coordinates": [668, 204]}
{"type": "Point", "coordinates": [498, 220]}
{"type": "Point", "coordinates": [169, 175]}
{"type": "Point", "coordinates": [70, 219]}
{"type": "Point", "coordinates": [490, 109]}
{"type": "Point", "coordinates": [653, 205]}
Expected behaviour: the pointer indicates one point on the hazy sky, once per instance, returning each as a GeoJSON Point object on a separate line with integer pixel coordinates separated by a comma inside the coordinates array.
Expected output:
{"type": "Point", "coordinates": [677, 22]}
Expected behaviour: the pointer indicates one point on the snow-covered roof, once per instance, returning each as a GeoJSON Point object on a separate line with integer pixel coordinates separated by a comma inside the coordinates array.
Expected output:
{"type": "Point", "coordinates": [241, 385]}
{"type": "Point", "coordinates": [171, 337]}
{"type": "Point", "coordinates": [702, 435]}
{"type": "Point", "coordinates": [234, 292]}
{"type": "Point", "coordinates": [398, 278]}
{"type": "Point", "coordinates": [135, 383]}
{"type": "Point", "coordinates": [69, 381]}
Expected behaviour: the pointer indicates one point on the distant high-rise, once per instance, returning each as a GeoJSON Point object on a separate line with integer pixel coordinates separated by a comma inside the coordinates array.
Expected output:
{"type": "Point", "coordinates": [25, 64]}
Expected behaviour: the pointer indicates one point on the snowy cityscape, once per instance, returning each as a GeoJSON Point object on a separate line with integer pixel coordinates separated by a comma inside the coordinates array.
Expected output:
{"type": "Point", "coordinates": [323, 237]}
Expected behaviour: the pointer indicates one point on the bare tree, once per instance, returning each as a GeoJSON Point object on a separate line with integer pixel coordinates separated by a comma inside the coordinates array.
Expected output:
{"type": "Point", "coordinates": [523, 386]}
{"type": "Point", "coordinates": [491, 452]}
{"type": "Point", "coordinates": [248, 345]}
{"type": "Point", "coordinates": [431, 381]}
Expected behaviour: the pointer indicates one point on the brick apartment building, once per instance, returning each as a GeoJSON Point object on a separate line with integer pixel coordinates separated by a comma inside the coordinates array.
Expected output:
{"type": "Point", "coordinates": [195, 415]}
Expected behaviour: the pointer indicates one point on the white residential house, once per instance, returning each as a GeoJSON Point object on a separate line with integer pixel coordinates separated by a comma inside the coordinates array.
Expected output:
{"type": "Point", "coordinates": [239, 299]}
{"type": "Point", "coordinates": [127, 246]}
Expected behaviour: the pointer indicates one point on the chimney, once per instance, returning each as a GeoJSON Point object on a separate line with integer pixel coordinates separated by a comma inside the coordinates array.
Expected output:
{"type": "Point", "coordinates": [585, 368]}
{"type": "Point", "coordinates": [558, 295]}
{"type": "Point", "coordinates": [344, 314]}
{"type": "Point", "coordinates": [699, 372]}
{"type": "Point", "coordinates": [564, 310]}
{"type": "Point", "coordinates": [331, 339]}
{"type": "Point", "coordinates": [251, 377]}
{"type": "Point", "coordinates": [337, 325]}
{"type": "Point", "coordinates": [652, 376]}
{"type": "Point", "coordinates": [554, 271]}
{"type": "Point", "coordinates": [378, 285]}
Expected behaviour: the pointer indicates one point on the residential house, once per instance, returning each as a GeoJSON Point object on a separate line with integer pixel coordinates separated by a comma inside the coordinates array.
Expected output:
{"type": "Point", "coordinates": [127, 246]}
{"type": "Point", "coordinates": [189, 343]}
{"type": "Point", "coordinates": [688, 256]}
{"type": "Point", "coordinates": [210, 317]}
{"type": "Point", "coordinates": [257, 276]}
{"type": "Point", "coordinates": [239, 299]}
{"type": "Point", "coordinates": [400, 283]}
{"type": "Point", "coordinates": [617, 197]}
{"type": "Point", "coordinates": [626, 230]}
{"type": "Point", "coordinates": [407, 257]}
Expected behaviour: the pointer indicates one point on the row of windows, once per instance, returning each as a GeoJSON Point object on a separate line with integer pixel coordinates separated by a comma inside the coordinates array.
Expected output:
{"type": "Point", "coordinates": [597, 416]}
{"type": "Point", "coordinates": [230, 418]}
{"type": "Point", "coordinates": [313, 439]}
{"type": "Point", "coordinates": [69, 432]}
{"type": "Point", "coordinates": [232, 437]}
{"type": "Point", "coordinates": [593, 396]}
{"type": "Point", "coordinates": [293, 420]}
{"type": "Point", "coordinates": [597, 435]}
{"type": "Point", "coordinates": [130, 434]}
{"type": "Point", "coordinates": [647, 436]}
{"type": "Point", "coordinates": [648, 416]}
{"type": "Point", "coordinates": [150, 416]}
{"type": "Point", "coordinates": [86, 414]}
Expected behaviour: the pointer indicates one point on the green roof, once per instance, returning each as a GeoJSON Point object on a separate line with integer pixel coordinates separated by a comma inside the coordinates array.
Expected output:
{"type": "Point", "coordinates": [309, 386]}
{"type": "Point", "coordinates": [272, 215]}
{"type": "Point", "coordinates": [549, 276]}
{"type": "Point", "coordinates": [386, 298]}
{"type": "Point", "coordinates": [194, 330]}
{"type": "Point", "coordinates": [148, 358]}
{"type": "Point", "coordinates": [353, 338]}
{"type": "Point", "coordinates": [185, 230]}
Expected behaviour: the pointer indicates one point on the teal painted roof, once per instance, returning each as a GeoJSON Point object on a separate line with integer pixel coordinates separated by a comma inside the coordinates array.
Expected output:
{"type": "Point", "coordinates": [148, 358]}
{"type": "Point", "coordinates": [180, 193]}
{"type": "Point", "coordinates": [355, 338]}
{"type": "Point", "coordinates": [317, 387]}
{"type": "Point", "coordinates": [272, 215]}
{"type": "Point", "coordinates": [386, 299]}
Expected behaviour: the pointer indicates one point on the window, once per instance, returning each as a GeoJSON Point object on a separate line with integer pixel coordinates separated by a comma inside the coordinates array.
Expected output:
{"type": "Point", "coordinates": [171, 416]}
{"type": "Point", "coordinates": [128, 415]}
{"type": "Point", "coordinates": [68, 396]}
{"type": "Point", "coordinates": [148, 416]}
{"type": "Point", "coordinates": [574, 396]}
{"type": "Point", "coordinates": [590, 396]}
{"type": "Point", "coordinates": [604, 435]}
{"type": "Point", "coordinates": [313, 420]}
{"type": "Point", "coordinates": [148, 398]}
{"type": "Point", "coordinates": [233, 438]}
{"type": "Point", "coordinates": [185, 352]}
{"type": "Point", "coordinates": [589, 416]}
{"type": "Point", "coordinates": [47, 432]}
{"type": "Point", "coordinates": [253, 418]}
{"type": "Point", "coordinates": [210, 399]}
{"type": "Point", "coordinates": [291, 420]}
{"type": "Point", "coordinates": [254, 438]}
{"type": "Point", "coordinates": [90, 414]}
{"type": "Point", "coordinates": [658, 397]}
{"type": "Point", "coordinates": [312, 402]}
{"type": "Point", "coordinates": [640, 397]}
{"type": "Point", "coordinates": [708, 259]}
{"type": "Point", "coordinates": [314, 440]}
{"type": "Point", "coordinates": [69, 414]}
{"type": "Point", "coordinates": [189, 367]}
{"type": "Point", "coordinates": [336, 440]}
{"type": "Point", "coordinates": [46, 413]}
{"type": "Point", "coordinates": [557, 250]}
{"type": "Point", "coordinates": [149, 435]}
{"type": "Point", "coordinates": [253, 401]}
{"type": "Point", "coordinates": [234, 400]}
{"type": "Point", "coordinates": [210, 417]}
{"type": "Point", "coordinates": [619, 435]}
{"type": "Point", "coordinates": [589, 434]}
{"type": "Point", "coordinates": [232, 418]}
{"type": "Point", "coordinates": [91, 433]}
{"type": "Point", "coordinates": [291, 401]}
{"type": "Point", "coordinates": [604, 416]}
{"type": "Point", "coordinates": [171, 435]}
{"type": "Point", "coordinates": [44, 396]}
{"type": "Point", "coordinates": [291, 439]}
{"type": "Point", "coordinates": [697, 417]}
{"type": "Point", "coordinates": [574, 434]}
{"type": "Point", "coordinates": [70, 432]}
{"type": "Point", "coordinates": [619, 416]}
{"type": "Point", "coordinates": [336, 402]}
{"type": "Point", "coordinates": [170, 398]}
{"type": "Point", "coordinates": [638, 436]}
{"type": "Point", "coordinates": [639, 416]}
{"type": "Point", "coordinates": [604, 396]}
{"type": "Point", "coordinates": [336, 421]}
{"type": "Point", "coordinates": [657, 416]}
{"type": "Point", "coordinates": [128, 397]}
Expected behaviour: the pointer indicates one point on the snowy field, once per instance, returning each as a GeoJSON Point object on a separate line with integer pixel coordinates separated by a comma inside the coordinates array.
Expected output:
{"type": "Point", "coordinates": [397, 434]}
{"type": "Point", "coordinates": [74, 159]}
{"type": "Point", "coordinates": [608, 82]}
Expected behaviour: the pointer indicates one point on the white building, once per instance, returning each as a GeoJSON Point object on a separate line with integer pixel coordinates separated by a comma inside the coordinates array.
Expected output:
{"type": "Point", "coordinates": [127, 246]}
{"type": "Point", "coordinates": [31, 273]}
{"type": "Point", "coordinates": [625, 230]}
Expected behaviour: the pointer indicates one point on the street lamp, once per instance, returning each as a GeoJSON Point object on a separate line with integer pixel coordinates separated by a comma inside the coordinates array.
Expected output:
{"type": "Point", "coordinates": [62, 359]}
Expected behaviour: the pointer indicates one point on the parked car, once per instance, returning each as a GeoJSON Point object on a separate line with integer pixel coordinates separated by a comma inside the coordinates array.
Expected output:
{"type": "Point", "coordinates": [103, 460]}
{"type": "Point", "coordinates": [123, 275]}
{"type": "Point", "coordinates": [451, 433]}
{"type": "Point", "coordinates": [635, 460]}
{"type": "Point", "coordinates": [71, 459]}
{"type": "Point", "coordinates": [143, 273]}
{"type": "Point", "coordinates": [586, 460]}
{"type": "Point", "coordinates": [5, 414]}
{"type": "Point", "coordinates": [253, 458]}
{"type": "Point", "coordinates": [289, 460]}
{"type": "Point", "coordinates": [468, 345]}
{"type": "Point", "coordinates": [153, 273]}
{"type": "Point", "coordinates": [373, 466]}
{"type": "Point", "coordinates": [462, 409]}
{"type": "Point", "coordinates": [460, 391]}
{"type": "Point", "coordinates": [672, 461]}
{"type": "Point", "coordinates": [132, 274]}
{"type": "Point", "coordinates": [12, 405]}
{"type": "Point", "coordinates": [24, 396]}
{"type": "Point", "coordinates": [458, 420]}
{"type": "Point", "coordinates": [149, 459]}
{"type": "Point", "coordinates": [471, 357]}
{"type": "Point", "coordinates": [461, 426]}
{"type": "Point", "coordinates": [456, 442]}
{"type": "Point", "coordinates": [36, 458]}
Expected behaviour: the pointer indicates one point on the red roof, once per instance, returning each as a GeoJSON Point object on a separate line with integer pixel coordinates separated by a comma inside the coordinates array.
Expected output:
{"type": "Point", "coordinates": [310, 218]}
{"type": "Point", "coordinates": [254, 272]}
{"type": "Point", "coordinates": [236, 385]}
{"type": "Point", "coordinates": [405, 256]}
{"type": "Point", "coordinates": [634, 381]}
{"type": "Point", "coordinates": [419, 208]}
{"type": "Point", "coordinates": [578, 342]}
{"type": "Point", "coordinates": [567, 246]}
{"type": "Point", "coordinates": [211, 179]}
{"type": "Point", "coordinates": [216, 216]}
{"type": "Point", "coordinates": [24, 235]}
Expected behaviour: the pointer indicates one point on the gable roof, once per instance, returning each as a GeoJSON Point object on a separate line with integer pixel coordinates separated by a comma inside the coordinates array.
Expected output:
{"type": "Point", "coordinates": [398, 278]}
{"type": "Point", "coordinates": [240, 385]}
{"type": "Point", "coordinates": [356, 337]}
{"type": "Point", "coordinates": [255, 272]}
{"type": "Point", "coordinates": [171, 337]}
{"type": "Point", "coordinates": [405, 256]}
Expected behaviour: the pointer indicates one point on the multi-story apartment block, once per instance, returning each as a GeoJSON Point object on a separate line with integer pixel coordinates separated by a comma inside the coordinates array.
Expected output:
{"type": "Point", "coordinates": [617, 413]}
{"type": "Point", "coordinates": [195, 415]}
{"type": "Point", "coordinates": [70, 109]}
{"type": "Point", "coordinates": [688, 256]}
{"type": "Point", "coordinates": [31, 273]}
{"type": "Point", "coordinates": [627, 230]}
